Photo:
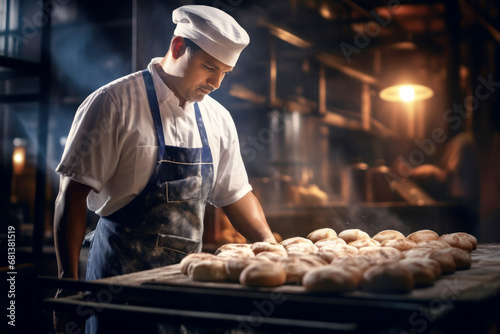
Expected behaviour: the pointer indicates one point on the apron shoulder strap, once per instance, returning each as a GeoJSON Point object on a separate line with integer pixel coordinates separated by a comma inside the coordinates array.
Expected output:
{"type": "Point", "coordinates": [201, 125]}
{"type": "Point", "coordinates": [155, 110]}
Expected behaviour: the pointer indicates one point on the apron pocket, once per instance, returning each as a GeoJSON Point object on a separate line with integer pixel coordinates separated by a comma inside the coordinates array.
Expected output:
{"type": "Point", "coordinates": [184, 190]}
{"type": "Point", "coordinates": [177, 244]}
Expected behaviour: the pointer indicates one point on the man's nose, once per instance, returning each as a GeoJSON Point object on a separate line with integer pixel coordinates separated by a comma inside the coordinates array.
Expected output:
{"type": "Point", "coordinates": [215, 80]}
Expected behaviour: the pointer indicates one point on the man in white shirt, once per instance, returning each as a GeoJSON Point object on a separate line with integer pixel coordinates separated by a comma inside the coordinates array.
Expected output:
{"type": "Point", "coordinates": [147, 151]}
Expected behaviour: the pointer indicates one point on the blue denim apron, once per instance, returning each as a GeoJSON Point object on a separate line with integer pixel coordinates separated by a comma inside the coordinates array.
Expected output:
{"type": "Point", "coordinates": [164, 222]}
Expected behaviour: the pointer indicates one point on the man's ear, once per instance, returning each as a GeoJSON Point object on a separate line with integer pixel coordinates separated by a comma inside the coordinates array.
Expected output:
{"type": "Point", "coordinates": [178, 47]}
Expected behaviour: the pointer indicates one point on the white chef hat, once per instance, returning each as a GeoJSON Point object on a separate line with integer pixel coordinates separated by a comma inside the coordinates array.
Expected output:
{"type": "Point", "coordinates": [213, 30]}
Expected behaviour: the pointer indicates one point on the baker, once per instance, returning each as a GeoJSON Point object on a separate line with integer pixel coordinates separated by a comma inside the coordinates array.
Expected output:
{"type": "Point", "coordinates": [147, 151]}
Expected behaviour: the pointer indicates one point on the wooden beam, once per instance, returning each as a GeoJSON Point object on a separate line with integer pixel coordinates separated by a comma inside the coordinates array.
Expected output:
{"type": "Point", "coordinates": [336, 63]}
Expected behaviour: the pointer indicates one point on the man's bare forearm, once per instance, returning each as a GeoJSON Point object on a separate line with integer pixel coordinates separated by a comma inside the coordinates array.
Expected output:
{"type": "Point", "coordinates": [247, 216]}
{"type": "Point", "coordinates": [69, 226]}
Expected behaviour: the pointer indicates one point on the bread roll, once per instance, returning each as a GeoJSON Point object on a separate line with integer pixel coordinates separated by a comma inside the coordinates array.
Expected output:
{"type": "Point", "coordinates": [423, 235]}
{"type": "Point", "coordinates": [351, 235]}
{"type": "Point", "coordinates": [364, 243]}
{"type": "Point", "coordinates": [329, 278]}
{"type": "Point", "coordinates": [190, 259]}
{"type": "Point", "coordinates": [234, 250]}
{"type": "Point", "coordinates": [461, 257]}
{"type": "Point", "coordinates": [361, 262]}
{"type": "Point", "coordinates": [432, 265]}
{"type": "Point", "coordinates": [445, 260]}
{"type": "Point", "coordinates": [422, 274]}
{"type": "Point", "coordinates": [259, 247]}
{"type": "Point", "coordinates": [330, 242]}
{"type": "Point", "coordinates": [457, 240]}
{"type": "Point", "coordinates": [263, 274]}
{"type": "Point", "coordinates": [322, 233]}
{"type": "Point", "coordinates": [418, 252]}
{"type": "Point", "coordinates": [232, 246]}
{"type": "Point", "coordinates": [301, 249]}
{"type": "Point", "coordinates": [355, 263]}
{"type": "Point", "coordinates": [296, 267]}
{"type": "Point", "coordinates": [382, 254]}
{"type": "Point", "coordinates": [434, 244]}
{"type": "Point", "coordinates": [328, 254]}
{"type": "Point", "coordinates": [392, 277]}
{"type": "Point", "coordinates": [295, 240]}
{"type": "Point", "coordinates": [401, 244]}
{"type": "Point", "coordinates": [238, 253]}
{"type": "Point", "coordinates": [470, 237]}
{"type": "Point", "coordinates": [273, 256]}
{"type": "Point", "coordinates": [387, 235]}
{"type": "Point", "coordinates": [209, 271]}
{"type": "Point", "coordinates": [235, 266]}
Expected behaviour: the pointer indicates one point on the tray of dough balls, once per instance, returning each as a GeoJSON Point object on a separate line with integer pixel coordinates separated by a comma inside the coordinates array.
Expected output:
{"type": "Point", "coordinates": [417, 266]}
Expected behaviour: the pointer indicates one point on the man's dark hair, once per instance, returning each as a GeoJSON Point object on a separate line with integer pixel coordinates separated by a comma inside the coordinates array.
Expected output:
{"type": "Point", "coordinates": [189, 44]}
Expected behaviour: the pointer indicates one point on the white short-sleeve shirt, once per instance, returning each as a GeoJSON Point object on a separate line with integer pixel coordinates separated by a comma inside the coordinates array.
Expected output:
{"type": "Point", "coordinates": [112, 144]}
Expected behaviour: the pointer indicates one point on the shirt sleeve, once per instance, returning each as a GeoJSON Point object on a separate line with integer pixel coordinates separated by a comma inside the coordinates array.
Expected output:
{"type": "Point", "coordinates": [231, 182]}
{"type": "Point", "coordinates": [90, 156]}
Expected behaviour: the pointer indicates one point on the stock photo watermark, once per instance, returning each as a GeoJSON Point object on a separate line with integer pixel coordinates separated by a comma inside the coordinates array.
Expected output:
{"type": "Point", "coordinates": [90, 139]}
{"type": "Point", "coordinates": [11, 276]}
{"type": "Point", "coordinates": [454, 116]}
{"type": "Point", "coordinates": [31, 26]}
{"type": "Point", "coordinates": [372, 29]}
{"type": "Point", "coordinates": [420, 320]}
{"type": "Point", "coordinates": [258, 143]}
{"type": "Point", "coordinates": [263, 309]}
{"type": "Point", "coordinates": [103, 296]}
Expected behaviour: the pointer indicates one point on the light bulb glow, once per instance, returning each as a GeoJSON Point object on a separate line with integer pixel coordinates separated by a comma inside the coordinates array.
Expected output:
{"type": "Point", "coordinates": [18, 158]}
{"type": "Point", "coordinates": [407, 93]}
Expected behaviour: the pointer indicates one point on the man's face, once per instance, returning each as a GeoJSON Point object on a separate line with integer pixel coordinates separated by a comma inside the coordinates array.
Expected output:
{"type": "Point", "coordinates": [202, 75]}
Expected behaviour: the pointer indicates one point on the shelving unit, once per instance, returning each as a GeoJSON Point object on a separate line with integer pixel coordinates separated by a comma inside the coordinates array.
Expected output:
{"type": "Point", "coordinates": [14, 66]}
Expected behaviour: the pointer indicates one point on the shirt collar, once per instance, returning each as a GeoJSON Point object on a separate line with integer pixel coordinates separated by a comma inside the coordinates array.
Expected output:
{"type": "Point", "coordinates": [163, 93]}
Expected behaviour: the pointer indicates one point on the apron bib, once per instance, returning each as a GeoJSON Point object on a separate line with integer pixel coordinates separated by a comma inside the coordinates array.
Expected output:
{"type": "Point", "coordinates": [164, 222]}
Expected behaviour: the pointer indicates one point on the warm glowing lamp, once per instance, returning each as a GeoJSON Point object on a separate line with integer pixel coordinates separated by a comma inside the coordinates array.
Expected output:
{"type": "Point", "coordinates": [18, 156]}
{"type": "Point", "coordinates": [18, 159]}
{"type": "Point", "coordinates": [406, 93]}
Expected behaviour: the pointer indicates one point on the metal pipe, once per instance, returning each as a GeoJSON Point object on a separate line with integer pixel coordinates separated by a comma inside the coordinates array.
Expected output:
{"type": "Point", "coordinates": [43, 120]}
